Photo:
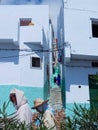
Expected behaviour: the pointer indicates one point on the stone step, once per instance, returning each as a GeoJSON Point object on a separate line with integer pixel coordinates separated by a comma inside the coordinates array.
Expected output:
{"type": "Point", "coordinates": [55, 99]}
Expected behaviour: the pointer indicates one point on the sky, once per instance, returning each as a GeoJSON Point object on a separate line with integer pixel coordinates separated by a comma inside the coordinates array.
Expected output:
{"type": "Point", "coordinates": [54, 7]}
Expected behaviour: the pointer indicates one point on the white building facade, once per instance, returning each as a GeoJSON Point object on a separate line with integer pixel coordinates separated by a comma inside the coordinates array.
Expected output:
{"type": "Point", "coordinates": [78, 37]}
{"type": "Point", "coordinates": [24, 48]}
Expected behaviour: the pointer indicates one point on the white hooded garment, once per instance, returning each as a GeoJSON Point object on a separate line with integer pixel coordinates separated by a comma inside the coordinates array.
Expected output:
{"type": "Point", "coordinates": [24, 113]}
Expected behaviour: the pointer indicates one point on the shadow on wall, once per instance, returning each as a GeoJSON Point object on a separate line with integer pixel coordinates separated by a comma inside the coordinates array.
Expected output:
{"type": "Point", "coordinates": [9, 53]}
{"type": "Point", "coordinates": [78, 76]}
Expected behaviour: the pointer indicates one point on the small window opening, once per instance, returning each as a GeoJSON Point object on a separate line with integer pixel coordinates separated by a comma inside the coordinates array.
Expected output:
{"type": "Point", "coordinates": [35, 62]}
{"type": "Point", "coordinates": [95, 28]}
{"type": "Point", "coordinates": [25, 21]}
{"type": "Point", "coordinates": [94, 64]}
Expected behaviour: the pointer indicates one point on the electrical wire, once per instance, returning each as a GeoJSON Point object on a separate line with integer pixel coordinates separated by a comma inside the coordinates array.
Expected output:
{"type": "Point", "coordinates": [26, 50]}
{"type": "Point", "coordinates": [30, 50]}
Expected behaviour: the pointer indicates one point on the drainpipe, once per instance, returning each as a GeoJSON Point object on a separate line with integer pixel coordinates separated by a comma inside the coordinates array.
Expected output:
{"type": "Point", "coordinates": [50, 54]}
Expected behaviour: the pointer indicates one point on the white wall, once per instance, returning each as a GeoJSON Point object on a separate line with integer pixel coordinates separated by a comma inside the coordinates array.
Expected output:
{"type": "Point", "coordinates": [31, 76]}
{"type": "Point", "coordinates": [9, 60]}
{"type": "Point", "coordinates": [78, 76]}
{"type": "Point", "coordinates": [10, 15]}
{"type": "Point", "coordinates": [81, 4]}
{"type": "Point", "coordinates": [80, 43]}
{"type": "Point", "coordinates": [15, 68]}
{"type": "Point", "coordinates": [77, 25]}
{"type": "Point", "coordinates": [9, 73]}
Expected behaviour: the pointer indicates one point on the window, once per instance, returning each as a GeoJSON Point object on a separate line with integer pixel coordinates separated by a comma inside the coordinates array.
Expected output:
{"type": "Point", "coordinates": [94, 64]}
{"type": "Point", "coordinates": [95, 28]}
{"type": "Point", "coordinates": [35, 62]}
{"type": "Point", "coordinates": [25, 21]}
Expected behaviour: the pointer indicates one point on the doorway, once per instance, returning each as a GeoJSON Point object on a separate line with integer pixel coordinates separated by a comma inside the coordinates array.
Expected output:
{"type": "Point", "coordinates": [93, 90]}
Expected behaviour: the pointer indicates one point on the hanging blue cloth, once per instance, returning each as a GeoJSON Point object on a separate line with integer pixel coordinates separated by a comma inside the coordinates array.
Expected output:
{"type": "Point", "coordinates": [58, 79]}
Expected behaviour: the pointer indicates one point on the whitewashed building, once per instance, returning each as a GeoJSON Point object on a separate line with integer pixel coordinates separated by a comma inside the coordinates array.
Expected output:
{"type": "Point", "coordinates": [78, 39]}
{"type": "Point", "coordinates": [24, 49]}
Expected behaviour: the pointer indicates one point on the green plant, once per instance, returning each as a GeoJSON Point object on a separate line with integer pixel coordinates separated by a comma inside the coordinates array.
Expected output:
{"type": "Point", "coordinates": [83, 119]}
{"type": "Point", "coordinates": [10, 122]}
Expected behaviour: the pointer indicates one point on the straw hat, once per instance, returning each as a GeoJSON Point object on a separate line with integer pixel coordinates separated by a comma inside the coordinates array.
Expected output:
{"type": "Point", "coordinates": [38, 102]}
